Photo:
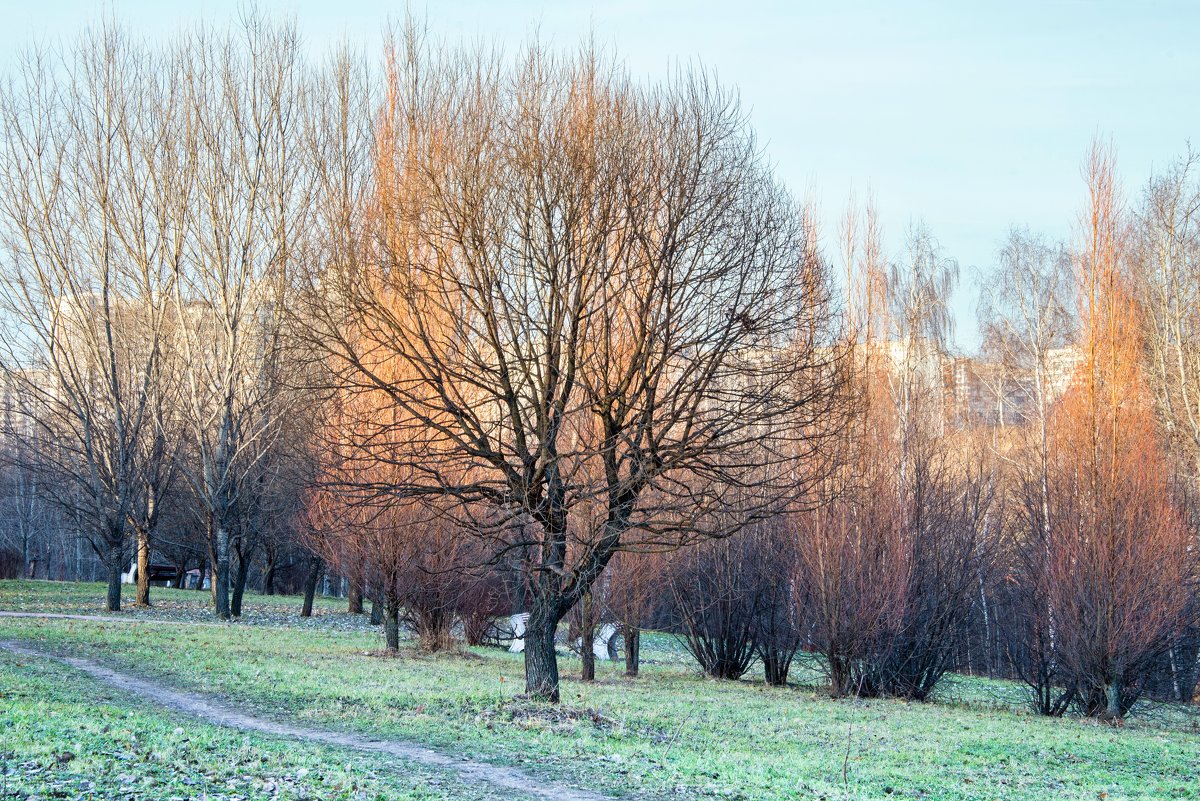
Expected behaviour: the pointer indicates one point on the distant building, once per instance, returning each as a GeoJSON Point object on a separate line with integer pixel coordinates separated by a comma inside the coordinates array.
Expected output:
{"type": "Point", "coordinates": [1062, 365]}
{"type": "Point", "coordinates": [974, 391]}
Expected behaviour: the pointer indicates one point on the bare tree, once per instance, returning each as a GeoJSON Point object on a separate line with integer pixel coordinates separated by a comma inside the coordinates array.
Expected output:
{"type": "Point", "coordinates": [634, 591]}
{"type": "Point", "coordinates": [778, 627]}
{"type": "Point", "coordinates": [245, 116]}
{"type": "Point", "coordinates": [891, 551]}
{"type": "Point", "coordinates": [852, 563]}
{"type": "Point", "coordinates": [1164, 248]}
{"type": "Point", "coordinates": [715, 600]}
{"type": "Point", "coordinates": [1164, 255]}
{"type": "Point", "coordinates": [93, 176]}
{"type": "Point", "coordinates": [1028, 322]}
{"type": "Point", "coordinates": [599, 294]}
{"type": "Point", "coordinates": [852, 570]}
{"type": "Point", "coordinates": [1122, 560]}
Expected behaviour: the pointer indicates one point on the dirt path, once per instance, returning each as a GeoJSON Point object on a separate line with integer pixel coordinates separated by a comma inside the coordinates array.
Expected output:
{"type": "Point", "coordinates": [215, 712]}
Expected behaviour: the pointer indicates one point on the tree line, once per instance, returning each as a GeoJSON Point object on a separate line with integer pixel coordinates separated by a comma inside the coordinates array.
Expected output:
{"type": "Point", "coordinates": [489, 332]}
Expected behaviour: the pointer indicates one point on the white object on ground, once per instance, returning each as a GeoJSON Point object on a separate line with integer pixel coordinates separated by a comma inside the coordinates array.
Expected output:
{"type": "Point", "coordinates": [605, 646]}
{"type": "Point", "coordinates": [517, 624]}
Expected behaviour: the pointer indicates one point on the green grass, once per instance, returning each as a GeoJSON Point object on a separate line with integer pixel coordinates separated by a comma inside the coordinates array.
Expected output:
{"type": "Point", "coordinates": [670, 733]}
{"type": "Point", "coordinates": [175, 605]}
{"type": "Point", "coordinates": [63, 735]}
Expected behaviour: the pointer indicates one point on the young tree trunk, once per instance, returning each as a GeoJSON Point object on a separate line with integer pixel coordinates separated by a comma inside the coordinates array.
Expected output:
{"type": "Point", "coordinates": [1176, 689]}
{"type": "Point", "coordinates": [391, 623]}
{"type": "Point", "coordinates": [239, 583]}
{"type": "Point", "coordinates": [775, 669]}
{"type": "Point", "coordinates": [541, 663]}
{"type": "Point", "coordinates": [310, 586]}
{"type": "Point", "coordinates": [587, 641]}
{"type": "Point", "coordinates": [26, 571]}
{"type": "Point", "coordinates": [354, 604]}
{"type": "Point", "coordinates": [212, 565]}
{"type": "Point", "coordinates": [633, 646]}
{"type": "Point", "coordinates": [143, 567]}
{"type": "Point", "coordinates": [221, 584]}
{"type": "Point", "coordinates": [200, 578]}
{"type": "Point", "coordinates": [269, 578]}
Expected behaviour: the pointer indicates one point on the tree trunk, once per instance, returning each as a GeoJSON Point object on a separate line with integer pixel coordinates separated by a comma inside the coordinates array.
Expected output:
{"type": "Point", "coordinates": [200, 579]}
{"type": "Point", "coordinates": [269, 578]}
{"type": "Point", "coordinates": [354, 604]}
{"type": "Point", "coordinates": [775, 668]}
{"type": "Point", "coordinates": [143, 567]}
{"type": "Point", "coordinates": [541, 663]}
{"type": "Point", "coordinates": [114, 577]}
{"type": "Point", "coordinates": [391, 625]}
{"type": "Point", "coordinates": [1194, 682]}
{"type": "Point", "coordinates": [212, 565]}
{"type": "Point", "coordinates": [587, 641]}
{"type": "Point", "coordinates": [376, 610]}
{"type": "Point", "coordinates": [26, 571]}
{"type": "Point", "coordinates": [221, 584]}
{"type": "Point", "coordinates": [239, 583]}
{"type": "Point", "coordinates": [310, 586]}
{"type": "Point", "coordinates": [633, 647]}
{"type": "Point", "coordinates": [1113, 710]}
{"type": "Point", "coordinates": [839, 676]}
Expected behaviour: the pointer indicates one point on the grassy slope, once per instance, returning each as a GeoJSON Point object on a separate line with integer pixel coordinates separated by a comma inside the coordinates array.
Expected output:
{"type": "Point", "coordinates": [668, 733]}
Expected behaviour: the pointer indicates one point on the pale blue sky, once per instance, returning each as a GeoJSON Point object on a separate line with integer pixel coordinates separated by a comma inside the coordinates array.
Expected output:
{"type": "Point", "coordinates": [971, 116]}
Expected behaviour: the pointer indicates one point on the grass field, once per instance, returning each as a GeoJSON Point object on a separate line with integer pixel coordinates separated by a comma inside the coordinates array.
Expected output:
{"type": "Point", "coordinates": [668, 734]}
{"type": "Point", "coordinates": [63, 735]}
{"type": "Point", "coordinates": [174, 605]}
